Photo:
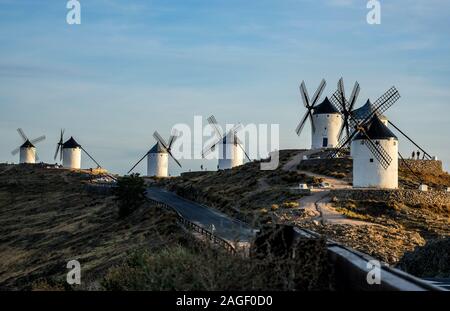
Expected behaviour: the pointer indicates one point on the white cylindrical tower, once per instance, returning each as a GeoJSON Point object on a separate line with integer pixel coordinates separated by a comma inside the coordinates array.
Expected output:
{"type": "Point", "coordinates": [27, 153]}
{"type": "Point", "coordinates": [327, 124]}
{"type": "Point", "coordinates": [71, 154]}
{"type": "Point", "coordinates": [230, 154]}
{"type": "Point", "coordinates": [158, 162]}
{"type": "Point", "coordinates": [367, 170]}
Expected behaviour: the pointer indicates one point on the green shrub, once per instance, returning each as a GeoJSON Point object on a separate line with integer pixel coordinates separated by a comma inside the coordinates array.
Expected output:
{"type": "Point", "coordinates": [130, 194]}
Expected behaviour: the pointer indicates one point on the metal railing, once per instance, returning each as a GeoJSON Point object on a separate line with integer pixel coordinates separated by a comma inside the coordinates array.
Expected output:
{"type": "Point", "coordinates": [210, 236]}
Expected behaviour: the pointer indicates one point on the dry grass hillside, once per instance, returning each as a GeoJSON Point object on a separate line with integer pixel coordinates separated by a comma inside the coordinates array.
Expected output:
{"type": "Point", "coordinates": [47, 219]}
{"type": "Point", "coordinates": [377, 228]}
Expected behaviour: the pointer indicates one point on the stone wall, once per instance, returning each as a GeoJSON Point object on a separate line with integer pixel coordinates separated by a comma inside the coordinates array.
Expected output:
{"type": "Point", "coordinates": [425, 166]}
{"type": "Point", "coordinates": [406, 196]}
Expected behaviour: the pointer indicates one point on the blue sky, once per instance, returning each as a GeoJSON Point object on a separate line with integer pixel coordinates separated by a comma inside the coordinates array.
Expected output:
{"type": "Point", "coordinates": [136, 66]}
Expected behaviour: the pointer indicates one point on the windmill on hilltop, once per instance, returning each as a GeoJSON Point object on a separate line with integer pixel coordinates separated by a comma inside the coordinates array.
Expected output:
{"type": "Point", "coordinates": [27, 150]}
{"type": "Point", "coordinates": [70, 153]}
{"type": "Point", "coordinates": [370, 139]}
{"type": "Point", "coordinates": [374, 148]}
{"type": "Point", "coordinates": [158, 156]}
{"type": "Point", "coordinates": [325, 119]}
{"type": "Point", "coordinates": [231, 151]}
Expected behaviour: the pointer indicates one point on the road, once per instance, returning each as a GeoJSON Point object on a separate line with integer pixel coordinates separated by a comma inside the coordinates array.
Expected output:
{"type": "Point", "coordinates": [225, 227]}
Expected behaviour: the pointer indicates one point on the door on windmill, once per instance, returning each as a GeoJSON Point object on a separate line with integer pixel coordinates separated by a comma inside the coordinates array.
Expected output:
{"type": "Point", "coordinates": [325, 142]}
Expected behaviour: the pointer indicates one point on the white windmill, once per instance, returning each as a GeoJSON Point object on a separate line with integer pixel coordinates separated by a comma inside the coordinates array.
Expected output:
{"type": "Point", "coordinates": [70, 153]}
{"type": "Point", "coordinates": [158, 156]}
{"type": "Point", "coordinates": [327, 124]}
{"type": "Point", "coordinates": [325, 119]}
{"type": "Point", "coordinates": [374, 148]}
{"type": "Point", "coordinates": [231, 151]}
{"type": "Point", "coordinates": [367, 172]}
{"type": "Point", "coordinates": [27, 150]}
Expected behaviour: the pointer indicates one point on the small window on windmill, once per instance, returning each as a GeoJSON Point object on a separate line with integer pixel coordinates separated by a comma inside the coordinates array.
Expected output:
{"type": "Point", "coordinates": [328, 115]}
{"type": "Point", "coordinates": [395, 143]}
{"type": "Point", "coordinates": [371, 160]}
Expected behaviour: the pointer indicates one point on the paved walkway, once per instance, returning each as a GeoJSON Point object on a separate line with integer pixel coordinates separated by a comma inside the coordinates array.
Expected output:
{"type": "Point", "coordinates": [224, 226]}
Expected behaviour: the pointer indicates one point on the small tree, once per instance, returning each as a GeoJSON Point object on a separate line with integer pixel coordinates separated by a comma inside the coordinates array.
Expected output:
{"type": "Point", "coordinates": [130, 194]}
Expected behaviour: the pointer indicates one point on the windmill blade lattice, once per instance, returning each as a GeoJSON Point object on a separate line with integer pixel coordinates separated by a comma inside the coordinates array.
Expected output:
{"type": "Point", "coordinates": [340, 102]}
{"type": "Point", "coordinates": [382, 104]}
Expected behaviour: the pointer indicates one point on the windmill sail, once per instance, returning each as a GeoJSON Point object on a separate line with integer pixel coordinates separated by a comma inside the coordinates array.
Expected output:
{"type": "Point", "coordinates": [309, 105]}
{"type": "Point", "coordinates": [28, 142]}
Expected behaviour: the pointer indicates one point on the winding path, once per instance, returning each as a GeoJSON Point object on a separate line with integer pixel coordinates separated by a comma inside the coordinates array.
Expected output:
{"type": "Point", "coordinates": [319, 202]}
{"type": "Point", "coordinates": [223, 226]}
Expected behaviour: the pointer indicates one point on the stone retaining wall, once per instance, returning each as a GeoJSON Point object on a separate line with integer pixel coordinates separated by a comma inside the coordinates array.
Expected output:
{"type": "Point", "coordinates": [406, 196]}
{"type": "Point", "coordinates": [425, 166]}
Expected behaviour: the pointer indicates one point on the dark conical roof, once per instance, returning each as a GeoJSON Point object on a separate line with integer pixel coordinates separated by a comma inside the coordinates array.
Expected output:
{"type": "Point", "coordinates": [71, 144]}
{"type": "Point", "coordinates": [364, 111]}
{"type": "Point", "coordinates": [27, 144]}
{"type": "Point", "coordinates": [376, 130]}
{"type": "Point", "coordinates": [227, 139]}
{"type": "Point", "coordinates": [158, 148]}
{"type": "Point", "coordinates": [325, 107]}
